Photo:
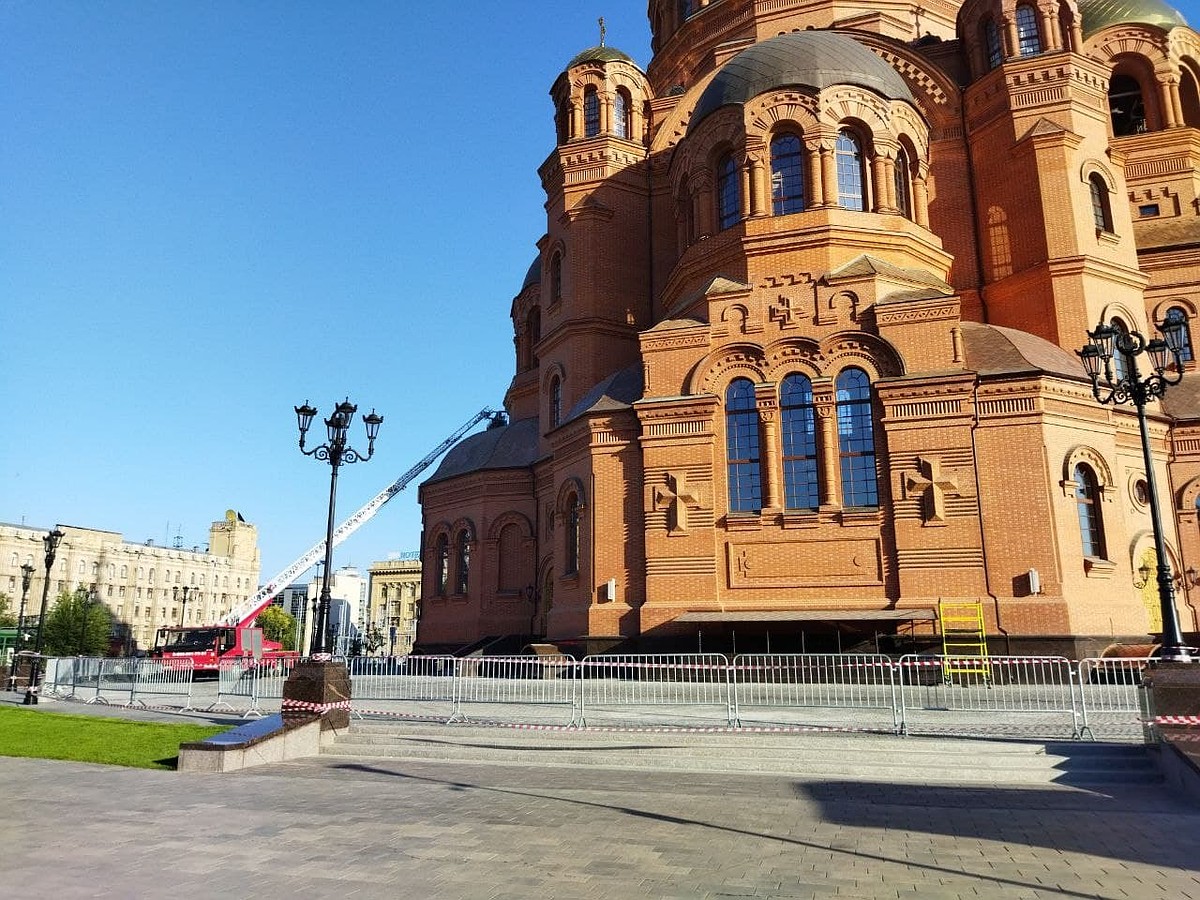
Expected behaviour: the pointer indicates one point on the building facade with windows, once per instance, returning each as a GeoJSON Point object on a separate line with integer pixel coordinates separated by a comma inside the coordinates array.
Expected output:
{"type": "Point", "coordinates": [394, 606]}
{"type": "Point", "coordinates": [796, 358]}
{"type": "Point", "coordinates": [145, 586]}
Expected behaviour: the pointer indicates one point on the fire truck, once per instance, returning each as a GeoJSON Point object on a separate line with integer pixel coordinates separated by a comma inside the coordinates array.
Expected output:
{"type": "Point", "coordinates": [235, 636]}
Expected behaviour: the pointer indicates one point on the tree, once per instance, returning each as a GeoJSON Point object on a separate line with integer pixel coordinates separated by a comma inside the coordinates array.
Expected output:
{"type": "Point", "coordinates": [278, 625]}
{"type": "Point", "coordinates": [77, 624]}
{"type": "Point", "coordinates": [8, 619]}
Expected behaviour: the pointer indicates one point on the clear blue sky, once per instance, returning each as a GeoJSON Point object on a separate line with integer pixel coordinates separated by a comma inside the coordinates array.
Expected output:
{"type": "Point", "coordinates": [210, 212]}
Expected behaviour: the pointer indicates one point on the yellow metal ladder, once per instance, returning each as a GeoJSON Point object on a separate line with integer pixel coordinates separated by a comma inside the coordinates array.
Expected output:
{"type": "Point", "coordinates": [964, 638]}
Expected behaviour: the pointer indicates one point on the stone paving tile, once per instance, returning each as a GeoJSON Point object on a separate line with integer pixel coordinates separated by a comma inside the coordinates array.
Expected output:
{"type": "Point", "coordinates": [323, 828]}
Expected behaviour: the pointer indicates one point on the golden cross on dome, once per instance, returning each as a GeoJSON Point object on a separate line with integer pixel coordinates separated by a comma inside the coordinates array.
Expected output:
{"type": "Point", "coordinates": [603, 31]}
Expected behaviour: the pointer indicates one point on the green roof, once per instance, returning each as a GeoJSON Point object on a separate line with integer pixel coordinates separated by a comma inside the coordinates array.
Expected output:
{"type": "Point", "coordinates": [1100, 14]}
{"type": "Point", "coordinates": [600, 54]}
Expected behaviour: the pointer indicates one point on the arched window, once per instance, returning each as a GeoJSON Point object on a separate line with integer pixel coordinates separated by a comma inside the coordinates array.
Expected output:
{"type": "Point", "coordinates": [533, 328]}
{"type": "Point", "coordinates": [685, 10]}
{"type": "Point", "coordinates": [1122, 365]}
{"type": "Point", "coordinates": [1087, 495]}
{"type": "Point", "coordinates": [1126, 108]}
{"type": "Point", "coordinates": [462, 561]}
{"type": "Point", "coordinates": [1029, 42]}
{"type": "Point", "coordinates": [622, 114]}
{"type": "Point", "coordinates": [563, 122]}
{"type": "Point", "coordinates": [851, 175]}
{"type": "Point", "coordinates": [741, 447]}
{"type": "Point", "coordinates": [1101, 210]}
{"type": "Point", "coordinates": [991, 41]}
{"type": "Point", "coordinates": [442, 551]}
{"type": "Point", "coordinates": [799, 443]}
{"type": "Point", "coordinates": [903, 184]}
{"type": "Point", "coordinates": [729, 193]}
{"type": "Point", "coordinates": [1179, 314]}
{"type": "Point", "coordinates": [509, 570]}
{"type": "Point", "coordinates": [572, 535]}
{"type": "Point", "coordinates": [556, 280]}
{"type": "Point", "coordinates": [555, 402]}
{"type": "Point", "coordinates": [591, 112]}
{"type": "Point", "coordinates": [124, 571]}
{"type": "Point", "coordinates": [856, 439]}
{"type": "Point", "coordinates": [787, 174]}
{"type": "Point", "coordinates": [685, 214]}
{"type": "Point", "coordinates": [1189, 97]}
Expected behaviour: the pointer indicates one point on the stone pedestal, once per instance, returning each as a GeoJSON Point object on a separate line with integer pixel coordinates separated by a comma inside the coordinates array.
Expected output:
{"type": "Point", "coordinates": [1174, 691]}
{"type": "Point", "coordinates": [319, 688]}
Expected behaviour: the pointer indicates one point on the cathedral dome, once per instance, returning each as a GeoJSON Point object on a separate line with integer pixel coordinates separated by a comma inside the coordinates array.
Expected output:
{"type": "Point", "coordinates": [600, 54]}
{"type": "Point", "coordinates": [1100, 14]}
{"type": "Point", "coordinates": [534, 275]}
{"type": "Point", "coordinates": [803, 59]}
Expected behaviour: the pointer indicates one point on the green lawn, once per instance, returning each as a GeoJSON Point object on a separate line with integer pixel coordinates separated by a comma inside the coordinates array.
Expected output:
{"type": "Point", "coordinates": [116, 742]}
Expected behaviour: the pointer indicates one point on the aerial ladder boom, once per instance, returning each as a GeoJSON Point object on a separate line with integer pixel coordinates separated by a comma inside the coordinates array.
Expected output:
{"type": "Point", "coordinates": [248, 612]}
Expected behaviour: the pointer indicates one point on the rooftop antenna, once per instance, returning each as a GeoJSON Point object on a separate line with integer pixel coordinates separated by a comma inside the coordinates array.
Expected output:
{"type": "Point", "coordinates": [177, 543]}
{"type": "Point", "coordinates": [603, 31]}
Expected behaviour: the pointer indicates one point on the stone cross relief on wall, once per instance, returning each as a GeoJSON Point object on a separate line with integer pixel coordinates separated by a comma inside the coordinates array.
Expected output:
{"type": "Point", "coordinates": [932, 487]}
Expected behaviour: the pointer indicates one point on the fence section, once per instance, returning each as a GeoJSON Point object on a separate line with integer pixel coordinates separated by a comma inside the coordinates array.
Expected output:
{"type": "Point", "coordinates": [837, 690]}
{"type": "Point", "coordinates": [409, 685]}
{"type": "Point", "coordinates": [541, 687]}
{"type": "Point", "coordinates": [235, 687]}
{"type": "Point", "coordinates": [1112, 699]}
{"type": "Point", "coordinates": [679, 688]}
{"type": "Point", "coordinates": [1008, 694]}
{"type": "Point", "coordinates": [163, 682]}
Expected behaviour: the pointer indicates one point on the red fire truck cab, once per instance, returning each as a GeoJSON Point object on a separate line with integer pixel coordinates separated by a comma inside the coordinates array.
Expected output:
{"type": "Point", "coordinates": [207, 646]}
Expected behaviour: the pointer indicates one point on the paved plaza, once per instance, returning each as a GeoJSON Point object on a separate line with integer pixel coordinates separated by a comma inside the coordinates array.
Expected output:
{"type": "Point", "coordinates": [341, 827]}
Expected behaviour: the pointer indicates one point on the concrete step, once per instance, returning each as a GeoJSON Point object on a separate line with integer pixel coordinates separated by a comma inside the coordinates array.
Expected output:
{"type": "Point", "coordinates": [808, 755]}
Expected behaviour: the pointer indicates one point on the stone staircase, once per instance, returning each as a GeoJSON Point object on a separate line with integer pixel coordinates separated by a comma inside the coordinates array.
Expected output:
{"type": "Point", "coordinates": [803, 755]}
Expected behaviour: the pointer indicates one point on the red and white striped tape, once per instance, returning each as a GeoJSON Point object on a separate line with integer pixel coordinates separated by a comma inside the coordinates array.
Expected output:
{"type": "Point", "coordinates": [1176, 720]}
{"type": "Point", "coordinates": [306, 706]}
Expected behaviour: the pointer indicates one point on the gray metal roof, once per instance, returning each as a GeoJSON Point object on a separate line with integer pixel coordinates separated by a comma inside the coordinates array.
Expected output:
{"type": "Point", "coordinates": [512, 446]}
{"type": "Point", "coordinates": [617, 391]}
{"type": "Point", "coordinates": [534, 275]}
{"type": "Point", "coordinates": [804, 59]}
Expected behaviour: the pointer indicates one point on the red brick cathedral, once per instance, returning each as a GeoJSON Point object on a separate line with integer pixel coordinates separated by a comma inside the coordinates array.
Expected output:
{"type": "Point", "coordinates": [797, 356]}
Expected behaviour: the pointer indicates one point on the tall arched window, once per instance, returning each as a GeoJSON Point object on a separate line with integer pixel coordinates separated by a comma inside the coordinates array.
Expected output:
{"type": "Point", "coordinates": [799, 443]}
{"type": "Point", "coordinates": [685, 10]}
{"type": "Point", "coordinates": [591, 112]}
{"type": "Point", "coordinates": [533, 329]}
{"type": "Point", "coordinates": [622, 114]}
{"type": "Point", "coordinates": [1101, 210]}
{"type": "Point", "coordinates": [1189, 97]}
{"type": "Point", "coordinates": [555, 402]}
{"type": "Point", "coordinates": [462, 561]}
{"type": "Point", "coordinates": [556, 278]}
{"type": "Point", "coordinates": [729, 193]}
{"type": "Point", "coordinates": [1087, 496]}
{"type": "Point", "coordinates": [1179, 314]}
{"type": "Point", "coordinates": [1029, 41]}
{"type": "Point", "coordinates": [572, 535]}
{"type": "Point", "coordinates": [685, 213]}
{"type": "Point", "coordinates": [851, 175]}
{"type": "Point", "coordinates": [787, 174]}
{"type": "Point", "coordinates": [991, 41]}
{"type": "Point", "coordinates": [1126, 108]}
{"type": "Point", "coordinates": [442, 551]}
{"type": "Point", "coordinates": [856, 439]}
{"type": "Point", "coordinates": [903, 184]}
{"type": "Point", "coordinates": [741, 447]}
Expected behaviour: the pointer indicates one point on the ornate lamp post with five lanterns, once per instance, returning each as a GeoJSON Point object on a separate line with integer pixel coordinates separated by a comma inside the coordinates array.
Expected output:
{"type": "Point", "coordinates": [337, 453]}
{"type": "Point", "coordinates": [1125, 383]}
{"type": "Point", "coordinates": [51, 542]}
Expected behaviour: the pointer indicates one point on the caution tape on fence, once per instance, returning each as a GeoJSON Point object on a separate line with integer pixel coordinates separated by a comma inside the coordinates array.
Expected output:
{"type": "Point", "coordinates": [1175, 720]}
{"type": "Point", "coordinates": [305, 706]}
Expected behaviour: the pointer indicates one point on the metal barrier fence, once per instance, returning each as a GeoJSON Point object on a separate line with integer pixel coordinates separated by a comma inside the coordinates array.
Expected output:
{"type": "Point", "coordinates": [1027, 696]}
{"type": "Point", "coordinates": [1112, 697]}
{"type": "Point", "coordinates": [688, 687]}
{"type": "Point", "coordinates": [815, 689]}
{"type": "Point", "coordinates": [1032, 692]}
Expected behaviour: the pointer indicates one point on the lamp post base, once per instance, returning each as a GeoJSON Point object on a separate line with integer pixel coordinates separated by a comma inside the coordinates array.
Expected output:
{"type": "Point", "coordinates": [31, 698]}
{"type": "Point", "coordinates": [319, 688]}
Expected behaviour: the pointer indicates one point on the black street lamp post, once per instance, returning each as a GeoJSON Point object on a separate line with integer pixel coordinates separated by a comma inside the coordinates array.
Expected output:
{"type": "Point", "coordinates": [88, 599]}
{"type": "Point", "coordinates": [26, 580]}
{"type": "Point", "coordinates": [337, 453]}
{"type": "Point", "coordinates": [183, 604]}
{"type": "Point", "coordinates": [1128, 386]}
{"type": "Point", "coordinates": [51, 542]}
